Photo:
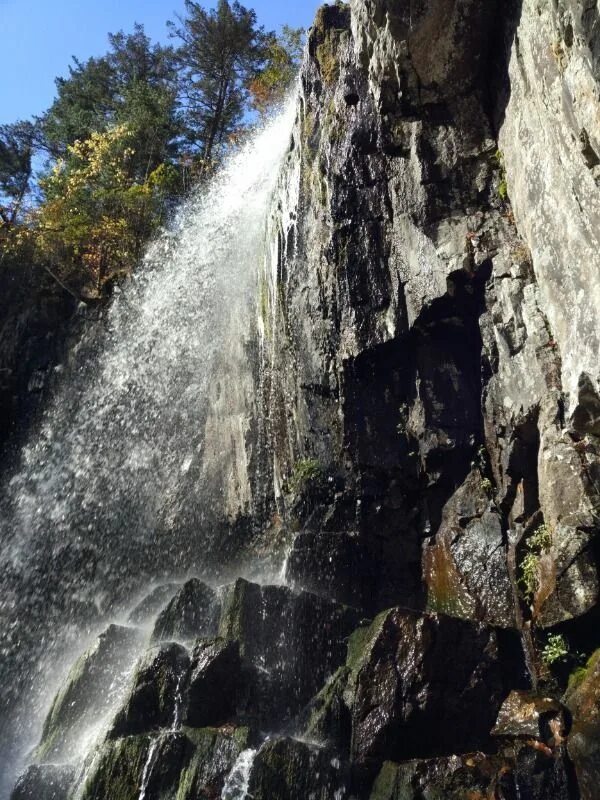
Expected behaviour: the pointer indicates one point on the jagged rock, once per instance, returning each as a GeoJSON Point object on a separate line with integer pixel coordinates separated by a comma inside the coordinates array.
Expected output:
{"type": "Point", "coordinates": [583, 701]}
{"type": "Point", "coordinates": [286, 769]}
{"type": "Point", "coordinates": [294, 640]}
{"type": "Point", "coordinates": [328, 718]}
{"type": "Point", "coordinates": [475, 776]}
{"type": "Point", "coordinates": [215, 683]}
{"type": "Point", "coordinates": [157, 694]}
{"type": "Point", "coordinates": [524, 714]}
{"type": "Point", "coordinates": [147, 609]}
{"type": "Point", "coordinates": [215, 755]}
{"type": "Point", "coordinates": [334, 565]}
{"type": "Point", "coordinates": [95, 683]}
{"type": "Point", "coordinates": [138, 766]}
{"type": "Point", "coordinates": [46, 782]}
{"type": "Point", "coordinates": [465, 566]}
{"type": "Point", "coordinates": [423, 686]}
{"type": "Point", "coordinates": [191, 614]}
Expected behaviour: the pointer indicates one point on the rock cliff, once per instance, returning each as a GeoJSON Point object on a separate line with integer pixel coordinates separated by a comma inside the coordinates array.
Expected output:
{"type": "Point", "coordinates": [422, 437]}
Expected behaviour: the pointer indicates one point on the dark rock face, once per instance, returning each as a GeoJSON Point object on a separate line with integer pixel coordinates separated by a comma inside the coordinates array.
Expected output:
{"type": "Point", "coordinates": [94, 683]}
{"type": "Point", "coordinates": [215, 684]}
{"type": "Point", "coordinates": [192, 612]}
{"type": "Point", "coordinates": [423, 685]}
{"type": "Point", "coordinates": [147, 609]}
{"type": "Point", "coordinates": [156, 698]}
{"type": "Point", "coordinates": [475, 776]}
{"type": "Point", "coordinates": [295, 641]}
{"type": "Point", "coordinates": [290, 770]}
{"type": "Point", "coordinates": [583, 700]}
{"type": "Point", "coordinates": [45, 783]}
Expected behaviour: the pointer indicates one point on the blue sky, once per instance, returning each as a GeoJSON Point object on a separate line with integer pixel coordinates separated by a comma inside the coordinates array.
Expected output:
{"type": "Point", "coordinates": [38, 38]}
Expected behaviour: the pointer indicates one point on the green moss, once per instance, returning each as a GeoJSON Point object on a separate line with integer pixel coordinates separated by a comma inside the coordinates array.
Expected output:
{"type": "Point", "coordinates": [119, 771]}
{"type": "Point", "coordinates": [215, 752]}
{"type": "Point", "coordinates": [326, 715]}
{"type": "Point", "coordinates": [385, 785]}
{"type": "Point", "coordinates": [305, 472]}
{"type": "Point", "coordinates": [580, 673]}
{"type": "Point", "coordinates": [538, 543]}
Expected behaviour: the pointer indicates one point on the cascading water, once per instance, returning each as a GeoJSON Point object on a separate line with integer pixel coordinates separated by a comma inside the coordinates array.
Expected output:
{"type": "Point", "coordinates": [93, 512]}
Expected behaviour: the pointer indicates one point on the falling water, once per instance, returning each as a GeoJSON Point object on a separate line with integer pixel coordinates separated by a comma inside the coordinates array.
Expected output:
{"type": "Point", "coordinates": [92, 513]}
{"type": "Point", "coordinates": [238, 781]}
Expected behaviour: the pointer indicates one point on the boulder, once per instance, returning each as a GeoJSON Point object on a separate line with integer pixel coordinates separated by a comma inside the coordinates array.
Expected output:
{"type": "Point", "coordinates": [214, 757]}
{"type": "Point", "coordinates": [192, 613]}
{"type": "Point", "coordinates": [46, 782]}
{"type": "Point", "coordinates": [156, 698]}
{"type": "Point", "coordinates": [583, 701]}
{"type": "Point", "coordinates": [95, 684]}
{"type": "Point", "coordinates": [294, 642]}
{"type": "Point", "coordinates": [526, 715]}
{"type": "Point", "coordinates": [286, 769]}
{"type": "Point", "coordinates": [421, 686]}
{"type": "Point", "coordinates": [138, 767]}
{"type": "Point", "coordinates": [215, 683]}
{"type": "Point", "coordinates": [465, 566]}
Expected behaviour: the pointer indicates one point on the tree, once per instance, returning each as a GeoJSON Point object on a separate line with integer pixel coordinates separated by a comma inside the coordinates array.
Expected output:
{"type": "Point", "coordinates": [94, 218]}
{"type": "Point", "coordinates": [221, 51]}
{"type": "Point", "coordinates": [284, 56]}
{"type": "Point", "coordinates": [16, 150]}
{"type": "Point", "coordinates": [134, 84]}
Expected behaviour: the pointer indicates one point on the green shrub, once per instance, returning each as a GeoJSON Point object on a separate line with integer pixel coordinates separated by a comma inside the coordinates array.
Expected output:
{"type": "Point", "coordinates": [539, 542]}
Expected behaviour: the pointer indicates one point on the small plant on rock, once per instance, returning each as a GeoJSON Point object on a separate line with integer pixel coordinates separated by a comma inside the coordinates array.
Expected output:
{"type": "Point", "coordinates": [538, 543]}
{"type": "Point", "coordinates": [305, 472]}
{"type": "Point", "coordinates": [556, 649]}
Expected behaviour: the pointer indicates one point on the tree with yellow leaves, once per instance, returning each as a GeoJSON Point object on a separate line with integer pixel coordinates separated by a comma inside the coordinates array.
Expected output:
{"type": "Point", "coordinates": [95, 217]}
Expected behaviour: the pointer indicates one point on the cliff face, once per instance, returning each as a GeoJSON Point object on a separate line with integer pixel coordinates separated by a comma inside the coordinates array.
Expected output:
{"type": "Point", "coordinates": [422, 430]}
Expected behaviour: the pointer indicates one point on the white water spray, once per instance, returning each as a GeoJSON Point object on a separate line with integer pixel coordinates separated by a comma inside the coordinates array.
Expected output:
{"type": "Point", "coordinates": [238, 781]}
{"type": "Point", "coordinates": [91, 514]}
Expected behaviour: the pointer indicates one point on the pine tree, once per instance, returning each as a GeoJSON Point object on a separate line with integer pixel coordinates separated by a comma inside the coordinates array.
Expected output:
{"type": "Point", "coordinates": [221, 51]}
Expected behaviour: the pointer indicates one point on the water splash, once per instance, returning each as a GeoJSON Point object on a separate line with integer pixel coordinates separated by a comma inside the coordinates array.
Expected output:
{"type": "Point", "coordinates": [238, 781]}
{"type": "Point", "coordinates": [148, 767]}
{"type": "Point", "coordinates": [97, 507]}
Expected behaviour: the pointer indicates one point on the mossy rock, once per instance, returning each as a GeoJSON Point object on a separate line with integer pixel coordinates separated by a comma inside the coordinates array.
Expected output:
{"type": "Point", "coordinates": [286, 769]}
{"type": "Point", "coordinates": [46, 782]}
{"type": "Point", "coordinates": [214, 756]}
{"type": "Point", "coordinates": [583, 701]}
{"type": "Point", "coordinates": [156, 696]}
{"type": "Point", "coordinates": [97, 680]}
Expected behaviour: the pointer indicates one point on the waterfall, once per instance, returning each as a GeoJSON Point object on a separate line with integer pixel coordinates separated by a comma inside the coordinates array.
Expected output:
{"type": "Point", "coordinates": [238, 781]}
{"type": "Point", "coordinates": [111, 490]}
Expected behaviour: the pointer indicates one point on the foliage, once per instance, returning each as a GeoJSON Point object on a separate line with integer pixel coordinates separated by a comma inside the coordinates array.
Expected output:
{"type": "Point", "coordinates": [16, 149]}
{"type": "Point", "coordinates": [221, 50]}
{"type": "Point", "coordinates": [95, 217]}
{"type": "Point", "coordinates": [556, 649]}
{"type": "Point", "coordinates": [502, 185]}
{"type": "Point", "coordinates": [539, 542]}
{"type": "Point", "coordinates": [487, 487]}
{"type": "Point", "coordinates": [283, 57]}
{"type": "Point", "coordinates": [306, 471]}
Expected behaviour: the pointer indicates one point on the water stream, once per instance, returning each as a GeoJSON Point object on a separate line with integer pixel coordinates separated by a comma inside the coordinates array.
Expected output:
{"type": "Point", "coordinates": [94, 510]}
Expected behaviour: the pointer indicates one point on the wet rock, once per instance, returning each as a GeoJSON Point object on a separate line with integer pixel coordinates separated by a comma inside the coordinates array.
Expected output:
{"type": "Point", "coordinates": [191, 614]}
{"type": "Point", "coordinates": [215, 753]}
{"type": "Point", "coordinates": [187, 765]}
{"type": "Point", "coordinates": [465, 566]}
{"type": "Point", "coordinates": [215, 683]}
{"type": "Point", "coordinates": [147, 610]}
{"type": "Point", "coordinates": [583, 701]}
{"type": "Point", "coordinates": [454, 778]}
{"type": "Point", "coordinates": [423, 686]}
{"type": "Point", "coordinates": [334, 565]}
{"type": "Point", "coordinates": [46, 782]}
{"type": "Point", "coordinates": [94, 685]}
{"type": "Point", "coordinates": [286, 769]}
{"type": "Point", "coordinates": [476, 776]}
{"type": "Point", "coordinates": [156, 698]}
{"type": "Point", "coordinates": [295, 641]}
{"type": "Point", "coordinates": [138, 766]}
{"type": "Point", "coordinates": [328, 718]}
{"type": "Point", "coordinates": [524, 714]}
